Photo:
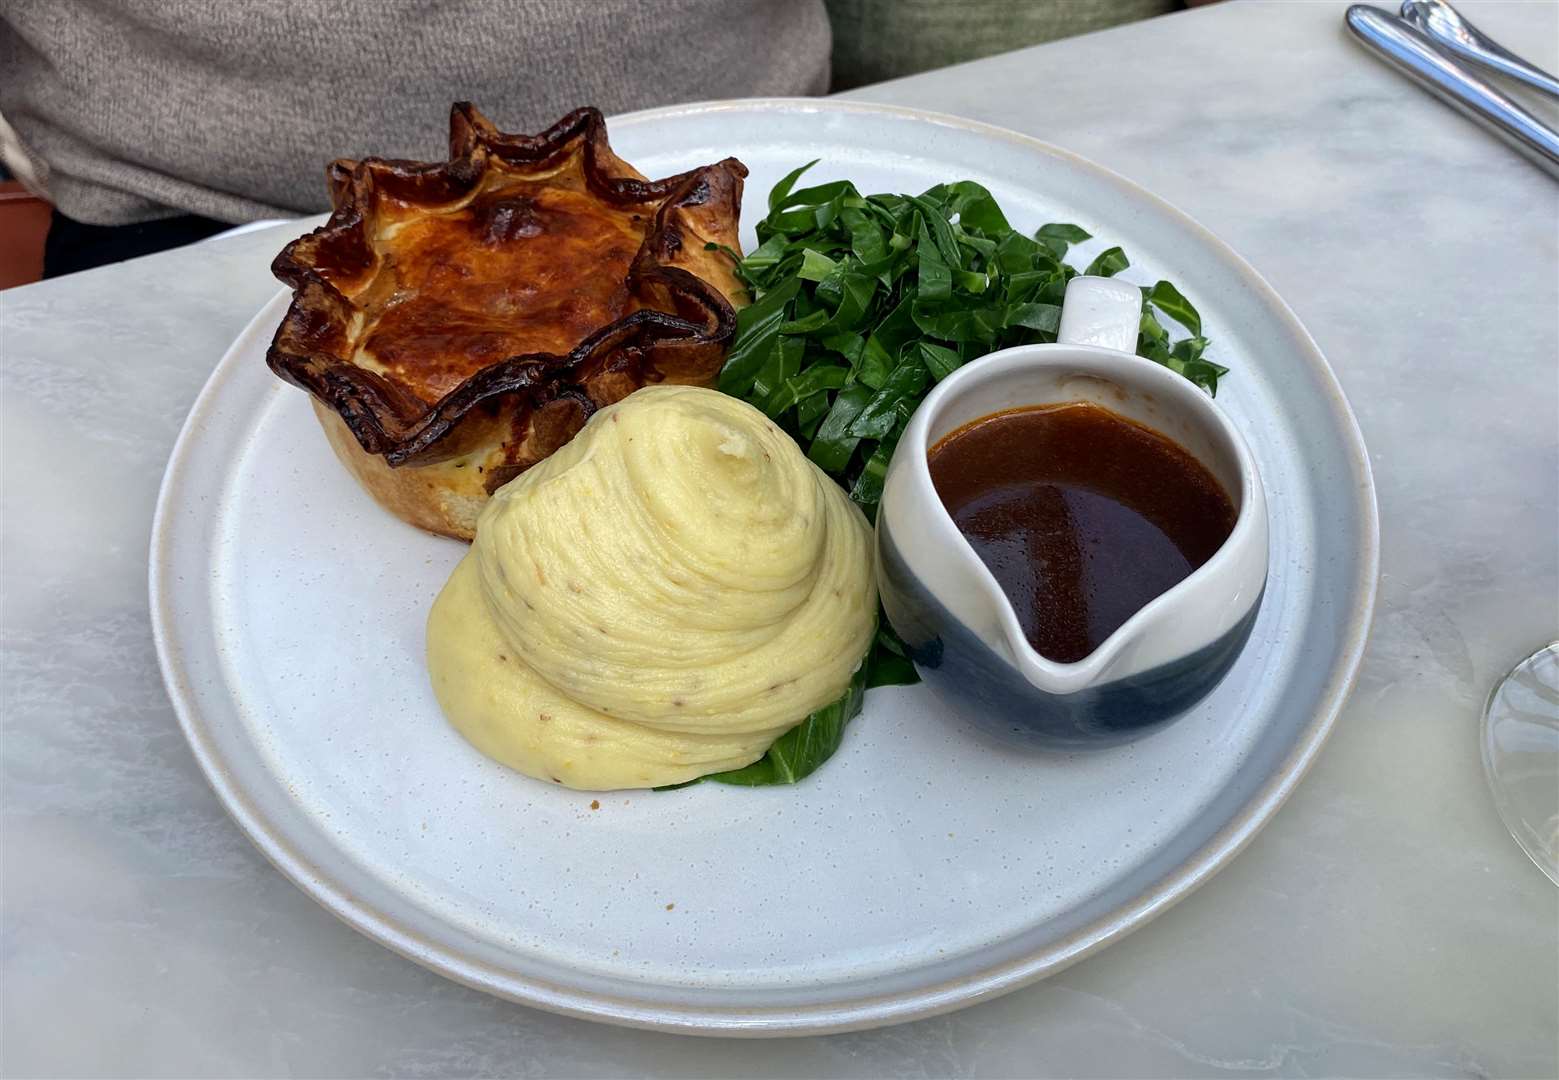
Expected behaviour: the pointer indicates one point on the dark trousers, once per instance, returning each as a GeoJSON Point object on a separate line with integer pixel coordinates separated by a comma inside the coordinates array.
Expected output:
{"type": "Point", "coordinates": [72, 245]}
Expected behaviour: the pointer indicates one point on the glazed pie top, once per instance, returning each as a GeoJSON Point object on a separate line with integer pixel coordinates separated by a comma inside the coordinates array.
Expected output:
{"type": "Point", "coordinates": [444, 308]}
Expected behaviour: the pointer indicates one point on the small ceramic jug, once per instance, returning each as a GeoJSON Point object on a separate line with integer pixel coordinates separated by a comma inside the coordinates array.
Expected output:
{"type": "Point", "coordinates": [963, 634]}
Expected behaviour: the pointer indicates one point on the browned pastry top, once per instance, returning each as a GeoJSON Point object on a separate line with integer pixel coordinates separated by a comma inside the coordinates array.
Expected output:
{"type": "Point", "coordinates": [524, 267]}
{"type": "Point", "coordinates": [525, 271]}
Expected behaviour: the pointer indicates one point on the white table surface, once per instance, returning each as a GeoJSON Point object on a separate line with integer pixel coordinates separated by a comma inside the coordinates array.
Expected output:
{"type": "Point", "coordinates": [1383, 925]}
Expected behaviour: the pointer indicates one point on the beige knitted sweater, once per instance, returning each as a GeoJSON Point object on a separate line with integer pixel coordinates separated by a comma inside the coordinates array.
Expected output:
{"type": "Point", "coordinates": [130, 110]}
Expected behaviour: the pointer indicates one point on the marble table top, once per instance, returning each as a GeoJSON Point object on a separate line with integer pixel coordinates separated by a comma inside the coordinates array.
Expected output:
{"type": "Point", "coordinates": [1384, 924]}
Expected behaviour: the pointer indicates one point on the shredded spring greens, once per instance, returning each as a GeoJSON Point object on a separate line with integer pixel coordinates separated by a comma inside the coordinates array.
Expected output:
{"type": "Point", "coordinates": [860, 304]}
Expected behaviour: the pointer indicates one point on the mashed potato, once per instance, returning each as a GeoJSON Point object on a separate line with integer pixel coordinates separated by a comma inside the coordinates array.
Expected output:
{"type": "Point", "coordinates": [660, 599]}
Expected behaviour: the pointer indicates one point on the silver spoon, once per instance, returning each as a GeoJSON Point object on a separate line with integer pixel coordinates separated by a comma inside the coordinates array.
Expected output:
{"type": "Point", "coordinates": [1446, 26]}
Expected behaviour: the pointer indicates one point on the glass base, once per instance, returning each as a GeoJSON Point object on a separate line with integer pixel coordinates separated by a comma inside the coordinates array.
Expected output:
{"type": "Point", "coordinates": [1521, 755]}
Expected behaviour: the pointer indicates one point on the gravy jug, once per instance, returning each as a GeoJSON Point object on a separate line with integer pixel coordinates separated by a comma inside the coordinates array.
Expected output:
{"type": "Point", "coordinates": [961, 629]}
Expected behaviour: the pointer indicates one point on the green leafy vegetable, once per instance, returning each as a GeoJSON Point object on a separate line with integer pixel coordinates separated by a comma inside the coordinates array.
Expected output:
{"type": "Point", "coordinates": [1168, 300]}
{"type": "Point", "coordinates": [885, 295]}
{"type": "Point", "coordinates": [1067, 234]}
{"type": "Point", "coordinates": [1108, 263]}
{"type": "Point", "coordinates": [860, 304]}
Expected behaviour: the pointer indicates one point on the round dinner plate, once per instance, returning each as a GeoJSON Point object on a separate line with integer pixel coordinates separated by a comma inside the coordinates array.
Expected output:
{"type": "Point", "coordinates": [922, 868]}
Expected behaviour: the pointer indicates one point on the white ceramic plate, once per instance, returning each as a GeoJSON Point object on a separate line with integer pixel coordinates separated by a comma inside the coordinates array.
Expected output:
{"type": "Point", "coordinates": [922, 868]}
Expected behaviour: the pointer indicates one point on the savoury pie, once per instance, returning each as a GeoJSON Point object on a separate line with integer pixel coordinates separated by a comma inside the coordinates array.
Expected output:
{"type": "Point", "coordinates": [456, 322]}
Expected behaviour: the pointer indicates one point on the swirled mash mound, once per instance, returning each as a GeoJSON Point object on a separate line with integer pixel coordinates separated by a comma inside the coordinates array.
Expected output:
{"type": "Point", "coordinates": [662, 598]}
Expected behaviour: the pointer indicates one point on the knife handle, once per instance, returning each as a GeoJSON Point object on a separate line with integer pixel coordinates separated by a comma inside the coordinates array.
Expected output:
{"type": "Point", "coordinates": [1411, 52]}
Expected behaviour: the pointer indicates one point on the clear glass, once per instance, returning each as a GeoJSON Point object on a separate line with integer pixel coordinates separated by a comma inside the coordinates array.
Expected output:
{"type": "Point", "coordinates": [1521, 755]}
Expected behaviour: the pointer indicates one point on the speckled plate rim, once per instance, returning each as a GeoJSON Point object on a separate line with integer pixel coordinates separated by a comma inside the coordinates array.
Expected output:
{"type": "Point", "coordinates": [864, 1012]}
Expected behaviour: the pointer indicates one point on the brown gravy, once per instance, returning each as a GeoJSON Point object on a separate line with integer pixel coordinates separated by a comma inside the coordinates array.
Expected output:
{"type": "Point", "coordinates": [1082, 515]}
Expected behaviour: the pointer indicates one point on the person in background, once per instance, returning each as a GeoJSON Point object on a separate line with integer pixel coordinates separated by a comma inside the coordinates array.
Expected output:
{"type": "Point", "coordinates": [150, 123]}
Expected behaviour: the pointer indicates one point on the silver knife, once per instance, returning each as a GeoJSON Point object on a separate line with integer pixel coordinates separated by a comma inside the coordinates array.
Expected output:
{"type": "Point", "coordinates": [1450, 30]}
{"type": "Point", "coordinates": [1408, 50]}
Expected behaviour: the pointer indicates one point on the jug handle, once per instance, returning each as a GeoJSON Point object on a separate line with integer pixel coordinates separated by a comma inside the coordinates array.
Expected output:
{"type": "Point", "coordinates": [1100, 311]}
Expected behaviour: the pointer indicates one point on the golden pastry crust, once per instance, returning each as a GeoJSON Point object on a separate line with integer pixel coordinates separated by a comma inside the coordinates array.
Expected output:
{"type": "Point", "coordinates": [457, 322]}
